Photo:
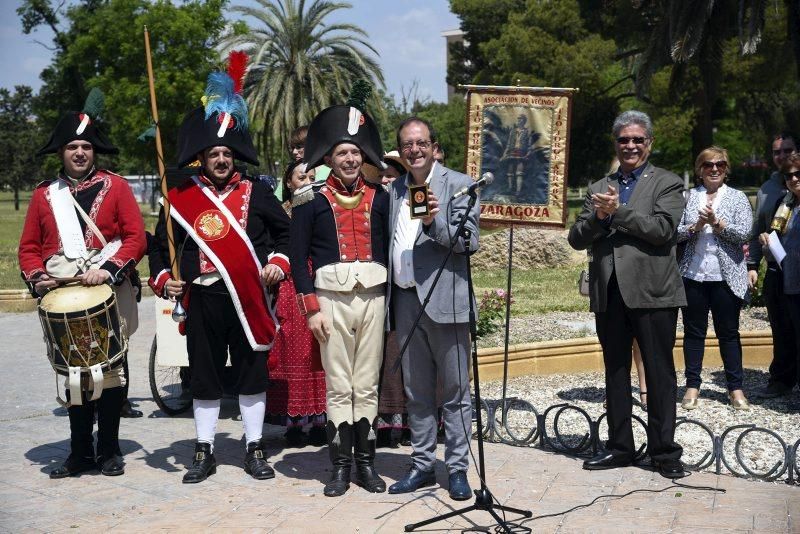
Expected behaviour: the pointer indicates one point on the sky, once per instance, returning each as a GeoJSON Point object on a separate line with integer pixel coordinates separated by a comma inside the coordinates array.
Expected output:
{"type": "Point", "coordinates": [406, 34]}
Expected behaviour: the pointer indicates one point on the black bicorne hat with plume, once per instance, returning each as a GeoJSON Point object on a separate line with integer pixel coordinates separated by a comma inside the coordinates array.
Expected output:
{"type": "Point", "coordinates": [348, 123]}
{"type": "Point", "coordinates": [222, 119]}
{"type": "Point", "coordinates": [81, 126]}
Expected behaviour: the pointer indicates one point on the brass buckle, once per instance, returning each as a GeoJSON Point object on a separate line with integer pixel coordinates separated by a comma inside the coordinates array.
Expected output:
{"type": "Point", "coordinates": [199, 456]}
{"type": "Point", "coordinates": [258, 453]}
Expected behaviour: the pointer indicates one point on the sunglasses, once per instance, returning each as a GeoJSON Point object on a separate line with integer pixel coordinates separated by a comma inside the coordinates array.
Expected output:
{"type": "Point", "coordinates": [785, 151]}
{"type": "Point", "coordinates": [721, 165]}
{"type": "Point", "coordinates": [636, 140]}
{"type": "Point", "coordinates": [789, 175]}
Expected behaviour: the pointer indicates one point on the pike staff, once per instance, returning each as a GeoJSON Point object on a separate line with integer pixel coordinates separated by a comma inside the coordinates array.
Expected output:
{"type": "Point", "coordinates": [178, 314]}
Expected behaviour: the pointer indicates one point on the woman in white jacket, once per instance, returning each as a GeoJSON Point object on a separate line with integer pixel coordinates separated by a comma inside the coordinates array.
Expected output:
{"type": "Point", "coordinates": [716, 224]}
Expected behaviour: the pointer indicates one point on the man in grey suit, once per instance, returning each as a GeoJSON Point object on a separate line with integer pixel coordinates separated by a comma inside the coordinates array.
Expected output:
{"type": "Point", "coordinates": [440, 345]}
{"type": "Point", "coordinates": [628, 223]}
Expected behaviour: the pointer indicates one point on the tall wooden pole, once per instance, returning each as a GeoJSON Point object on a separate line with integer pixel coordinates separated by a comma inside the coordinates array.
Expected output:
{"type": "Point", "coordinates": [176, 275]}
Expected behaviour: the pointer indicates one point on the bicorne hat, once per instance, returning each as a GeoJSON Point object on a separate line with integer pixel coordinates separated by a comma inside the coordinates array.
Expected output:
{"type": "Point", "coordinates": [81, 126]}
{"type": "Point", "coordinates": [347, 123]}
{"type": "Point", "coordinates": [222, 119]}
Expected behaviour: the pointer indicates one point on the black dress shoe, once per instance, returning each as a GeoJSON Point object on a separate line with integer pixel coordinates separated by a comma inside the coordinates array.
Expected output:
{"type": "Point", "coordinates": [414, 480]}
{"type": "Point", "coordinates": [111, 467]}
{"type": "Point", "coordinates": [129, 411]}
{"type": "Point", "coordinates": [606, 460]}
{"type": "Point", "coordinates": [73, 465]}
{"type": "Point", "coordinates": [255, 462]}
{"type": "Point", "coordinates": [203, 466]}
{"type": "Point", "coordinates": [671, 468]}
{"type": "Point", "coordinates": [316, 436]}
{"type": "Point", "coordinates": [295, 437]}
{"type": "Point", "coordinates": [459, 486]}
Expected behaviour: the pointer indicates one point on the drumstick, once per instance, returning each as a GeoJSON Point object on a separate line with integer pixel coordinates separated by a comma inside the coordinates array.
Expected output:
{"type": "Point", "coordinates": [65, 280]}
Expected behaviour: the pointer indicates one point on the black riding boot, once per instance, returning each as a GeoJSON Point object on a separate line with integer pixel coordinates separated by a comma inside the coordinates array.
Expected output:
{"type": "Point", "coordinates": [364, 455]}
{"type": "Point", "coordinates": [340, 446]}
{"type": "Point", "coordinates": [81, 456]}
{"type": "Point", "coordinates": [109, 455]}
{"type": "Point", "coordinates": [203, 466]}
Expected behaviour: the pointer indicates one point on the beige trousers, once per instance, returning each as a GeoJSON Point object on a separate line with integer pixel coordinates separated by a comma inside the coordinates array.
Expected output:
{"type": "Point", "coordinates": [352, 355]}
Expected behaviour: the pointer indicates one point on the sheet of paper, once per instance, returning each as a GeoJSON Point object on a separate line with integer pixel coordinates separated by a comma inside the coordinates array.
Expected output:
{"type": "Point", "coordinates": [775, 247]}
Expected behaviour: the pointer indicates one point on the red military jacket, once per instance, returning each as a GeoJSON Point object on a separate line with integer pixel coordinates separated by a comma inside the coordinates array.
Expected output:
{"type": "Point", "coordinates": [108, 200]}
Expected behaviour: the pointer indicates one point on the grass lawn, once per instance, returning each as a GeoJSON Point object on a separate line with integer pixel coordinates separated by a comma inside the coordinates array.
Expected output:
{"type": "Point", "coordinates": [10, 228]}
{"type": "Point", "coordinates": [536, 291]}
{"type": "Point", "coordinates": [11, 222]}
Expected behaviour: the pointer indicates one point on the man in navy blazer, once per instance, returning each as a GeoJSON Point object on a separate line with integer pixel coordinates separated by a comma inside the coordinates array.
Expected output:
{"type": "Point", "coordinates": [440, 345]}
{"type": "Point", "coordinates": [628, 223]}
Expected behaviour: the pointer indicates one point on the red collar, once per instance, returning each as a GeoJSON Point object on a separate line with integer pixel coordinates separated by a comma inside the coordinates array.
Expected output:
{"type": "Point", "coordinates": [337, 185]}
{"type": "Point", "coordinates": [232, 183]}
{"type": "Point", "coordinates": [86, 182]}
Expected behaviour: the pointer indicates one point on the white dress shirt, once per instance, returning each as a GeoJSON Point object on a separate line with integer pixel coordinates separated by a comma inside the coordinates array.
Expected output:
{"type": "Point", "coordinates": [704, 266]}
{"type": "Point", "coordinates": [405, 236]}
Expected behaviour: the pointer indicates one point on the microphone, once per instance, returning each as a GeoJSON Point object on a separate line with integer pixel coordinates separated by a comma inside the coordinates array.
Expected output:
{"type": "Point", "coordinates": [486, 179]}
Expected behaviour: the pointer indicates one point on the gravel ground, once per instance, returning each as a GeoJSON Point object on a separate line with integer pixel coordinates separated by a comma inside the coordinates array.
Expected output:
{"type": "Point", "coordinates": [569, 325]}
{"type": "Point", "coordinates": [587, 392]}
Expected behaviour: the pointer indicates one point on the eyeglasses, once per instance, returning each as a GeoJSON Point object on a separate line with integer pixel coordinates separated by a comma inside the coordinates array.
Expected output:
{"type": "Point", "coordinates": [636, 140]}
{"type": "Point", "coordinates": [784, 151]}
{"type": "Point", "coordinates": [409, 145]}
{"type": "Point", "coordinates": [721, 165]}
{"type": "Point", "coordinates": [790, 175]}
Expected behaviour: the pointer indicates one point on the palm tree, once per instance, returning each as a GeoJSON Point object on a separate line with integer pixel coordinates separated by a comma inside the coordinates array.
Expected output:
{"type": "Point", "coordinates": [299, 65]}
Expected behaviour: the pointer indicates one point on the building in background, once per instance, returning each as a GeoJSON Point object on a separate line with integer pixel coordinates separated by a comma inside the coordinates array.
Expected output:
{"type": "Point", "coordinates": [451, 37]}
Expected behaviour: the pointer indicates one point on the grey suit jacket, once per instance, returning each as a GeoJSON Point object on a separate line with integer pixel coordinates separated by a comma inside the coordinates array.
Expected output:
{"type": "Point", "coordinates": [639, 244]}
{"type": "Point", "coordinates": [449, 302]}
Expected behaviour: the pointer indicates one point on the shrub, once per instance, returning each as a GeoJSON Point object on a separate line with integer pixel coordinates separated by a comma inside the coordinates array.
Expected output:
{"type": "Point", "coordinates": [491, 311]}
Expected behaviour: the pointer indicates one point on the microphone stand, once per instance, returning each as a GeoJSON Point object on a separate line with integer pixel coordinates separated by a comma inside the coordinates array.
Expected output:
{"type": "Point", "coordinates": [483, 497]}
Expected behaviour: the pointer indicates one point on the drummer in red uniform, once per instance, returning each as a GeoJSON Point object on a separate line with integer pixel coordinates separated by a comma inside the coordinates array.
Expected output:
{"type": "Point", "coordinates": [57, 242]}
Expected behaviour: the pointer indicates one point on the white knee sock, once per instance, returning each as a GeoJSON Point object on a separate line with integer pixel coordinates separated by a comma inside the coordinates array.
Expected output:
{"type": "Point", "coordinates": [253, 408]}
{"type": "Point", "coordinates": [206, 414]}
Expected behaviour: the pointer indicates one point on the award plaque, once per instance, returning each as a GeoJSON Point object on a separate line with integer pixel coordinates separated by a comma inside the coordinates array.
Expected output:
{"type": "Point", "coordinates": [418, 201]}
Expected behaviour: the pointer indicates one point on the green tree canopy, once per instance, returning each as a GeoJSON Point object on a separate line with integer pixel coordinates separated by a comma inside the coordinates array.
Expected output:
{"type": "Point", "coordinates": [19, 138]}
{"type": "Point", "coordinates": [101, 44]}
{"type": "Point", "coordinates": [681, 61]}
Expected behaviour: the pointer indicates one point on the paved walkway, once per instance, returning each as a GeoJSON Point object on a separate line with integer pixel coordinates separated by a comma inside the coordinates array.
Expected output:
{"type": "Point", "coordinates": [157, 448]}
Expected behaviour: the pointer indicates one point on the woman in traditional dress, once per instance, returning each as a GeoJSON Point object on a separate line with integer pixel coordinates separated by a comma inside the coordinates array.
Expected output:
{"type": "Point", "coordinates": [297, 380]}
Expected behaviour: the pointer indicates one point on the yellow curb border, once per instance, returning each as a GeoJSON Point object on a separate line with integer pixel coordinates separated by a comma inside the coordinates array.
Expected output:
{"type": "Point", "coordinates": [581, 355]}
{"type": "Point", "coordinates": [585, 355]}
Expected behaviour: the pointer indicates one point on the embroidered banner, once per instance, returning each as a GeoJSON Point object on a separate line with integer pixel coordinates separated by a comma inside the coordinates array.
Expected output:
{"type": "Point", "coordinates": [521, 135]}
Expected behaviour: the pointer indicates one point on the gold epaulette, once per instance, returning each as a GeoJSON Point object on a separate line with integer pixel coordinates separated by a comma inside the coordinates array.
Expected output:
{"type": "Point", "coordinates": [305, 194]}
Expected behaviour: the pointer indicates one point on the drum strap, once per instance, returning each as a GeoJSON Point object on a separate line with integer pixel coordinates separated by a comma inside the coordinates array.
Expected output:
{"type": "Point", "coordinates": [109, 249]}
{"type": "Point", "coordinates": [74, 385]}
{"type": "Point", "coordinates": [97, 381]}
{"type": "Point", "coordinates": [69, 229]}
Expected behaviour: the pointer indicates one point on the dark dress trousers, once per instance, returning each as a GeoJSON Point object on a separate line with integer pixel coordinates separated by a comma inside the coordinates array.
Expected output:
{"type": "Point", "coordinates": [635, 290]}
